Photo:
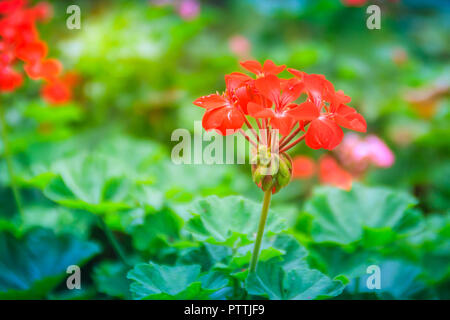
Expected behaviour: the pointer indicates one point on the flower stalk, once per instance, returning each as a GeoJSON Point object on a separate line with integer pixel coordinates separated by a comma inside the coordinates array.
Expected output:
{"type": "Point", "coordinates": [9, 163]}
{"type": "Point", "coordinates": [261, 226]}
{"type": "Point", "coordinates": [113, 241]}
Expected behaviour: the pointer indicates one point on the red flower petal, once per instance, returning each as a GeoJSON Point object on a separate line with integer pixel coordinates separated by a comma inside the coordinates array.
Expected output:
{"type": "Point", "coordinates": [235, 80]}
{"type": "Point", "coordinates": [252, 66]}
{"type": "Point", "coordinates": [211, 101]}
{"type": "Point", "coordinates": [337, 99]}
{"type": "Point", "coordinates": [292, 89]}
{"type": "Point", "coordinates": [348, 118]}
{"type": "Point", "coordinates": [323, 133]}
{"type": "Point", "coordinates": [226, 120]}
{"type": "Point", "coordinates": [269, 87]}
{"type": "Point", "coordinates": [297, 73]}
{"type": "Point", "coordinates": [258, 111]}
{"type": "Point", "coordinates": [304, 111]}
{"type": "Point", "coordinates": [283, 123]}
{"type": "Point", "coordinates": [271, 68]}
{"type": "Point", "coordinates": [318, 88]}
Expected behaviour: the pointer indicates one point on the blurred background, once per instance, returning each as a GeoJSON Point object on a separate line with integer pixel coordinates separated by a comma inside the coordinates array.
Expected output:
{"type": "Point", "coordinates": [140, 64]}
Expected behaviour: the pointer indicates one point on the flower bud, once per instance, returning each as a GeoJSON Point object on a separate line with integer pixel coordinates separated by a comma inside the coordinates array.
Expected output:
{"type": "Point", "coordinates": [270, 170]}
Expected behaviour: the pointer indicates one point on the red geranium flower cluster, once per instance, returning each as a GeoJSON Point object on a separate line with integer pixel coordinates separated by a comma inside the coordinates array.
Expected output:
{"type": "Point", "coordinates": [19, 41]}
{"type": "Point", "coordinates": [272, 102]}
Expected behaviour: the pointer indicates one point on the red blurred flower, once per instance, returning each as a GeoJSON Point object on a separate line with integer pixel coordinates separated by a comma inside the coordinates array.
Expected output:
{"type": "Point", "coordinates": [9, 79]}
{"type": "Point", "coordinates": [354, 3]}
{"type": "Point", "coordinates": [20, 40]}
{"type": "Point", "coordinates": [331, 173]}
{"type": "Point", "coordinates": [303, 167]}
{"type": "Point", "coordinates": [48, 69]}
{"type": "Point", "coordinates": [57, 92]}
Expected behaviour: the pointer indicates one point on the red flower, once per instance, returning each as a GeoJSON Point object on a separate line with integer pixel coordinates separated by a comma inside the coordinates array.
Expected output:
{"type": "Point", "coordinates": [325, 130]}
{"type": "Point", "coordinates": [48, 69]}
{"type": "Point", "coordinates": [331, 173]}
{"type": "Point", "coordinates": [226, 113]}
{"type": "Point", "coordinates": [20, 40]}
{"type": "Point", "coordinates": [57, 92]}
{"type": "Point", "coordinates": [32, 52]}
{"type": "Point", "coordinates": [268, 68]}
{"type": "Point", "coordinates": [303, 167]}
{"type": "Point", "coordinates": [9, 79]}
{"type": "Point", "coordinates": [274, 101]}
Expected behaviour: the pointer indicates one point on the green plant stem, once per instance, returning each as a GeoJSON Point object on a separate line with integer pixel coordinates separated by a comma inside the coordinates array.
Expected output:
{"type": "Point", "coordinates": [113, 241]}
{"type": "Point", "coordinates": [9, 164]}
{"type": "Point", "coordinates": [259, 235]}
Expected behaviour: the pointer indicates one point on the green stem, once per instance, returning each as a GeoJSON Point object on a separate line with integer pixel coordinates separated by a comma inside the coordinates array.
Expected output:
{"type": "Point", "coordinates": [259, 235]}
{"type": "Point", "coordinates": [114, 243]}
{"type": "Point", "coordinates": [9, 164]}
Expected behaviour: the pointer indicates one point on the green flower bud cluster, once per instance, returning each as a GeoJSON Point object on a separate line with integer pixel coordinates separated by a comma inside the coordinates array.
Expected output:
{"type": "Point", "coordinates": [270, 170]}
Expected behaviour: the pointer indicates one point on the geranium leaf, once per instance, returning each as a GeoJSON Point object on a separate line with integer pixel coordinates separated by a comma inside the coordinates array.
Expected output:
{"type": "Point", "coordinates": [91, 182]}
{"type": "Point", "coordinates": [226, 220]}
{"type": "Point", "coordinates": [342, 217]}
{"type": "Point", "coordinates": [273, 281]}
{"type": "Point", "coordinates": [153, 281]}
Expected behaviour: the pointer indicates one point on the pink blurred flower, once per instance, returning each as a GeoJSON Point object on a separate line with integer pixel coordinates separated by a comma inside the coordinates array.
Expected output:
{"type": "Point", "coordinates": [381, 155]}
{"type": "Point", "coordinates": [188, 9]}
{"type": "Point", "coordinates": [240, 46]}
{"type": "Point", "coordinates": [357, 153]}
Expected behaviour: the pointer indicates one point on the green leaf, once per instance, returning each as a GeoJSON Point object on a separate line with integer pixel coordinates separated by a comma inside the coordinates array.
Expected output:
{"type": "Point", "coordinates": [59, 219]}
{"type": "Point", "coordinates": [343, 216]}
{"type": "Point", "coordinates": [336, 260]}
{"type": "Point", "coordinates": [207, 255]}
{"type": "Point", "coordinates": [91, 182]}
{"type": "Point", "coordinates": [152, 281]}
{"type": "Point", "coordinates": [32, 266]}
{"type": "Point", "coordinates": [276, 246]}
{"type": "Point", "coordinates": [111, 279]}
{"type": "Point", "coordinates": [226, 220]}
{"type": "Point", "coordinates": [300, 283]}
{"type": "Point", "coordinates": [158, 227]}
